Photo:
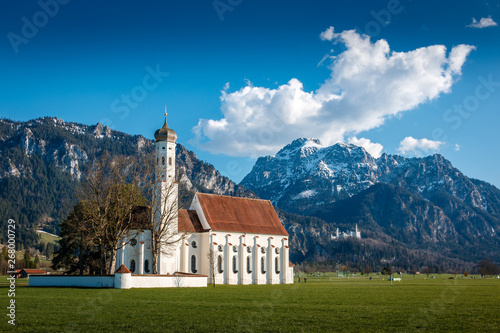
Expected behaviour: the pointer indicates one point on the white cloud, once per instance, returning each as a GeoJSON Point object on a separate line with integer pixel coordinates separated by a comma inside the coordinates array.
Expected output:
{"type": "Point", "coordinates": [375, 149]}
{"type": "Point", "coordinates": [412, 146]}
{"type": "Point", "coordinates": [328, 34]}
{"type": "Point", "coordinates": [483, 23]}
{"type": "Point", "coordinates": [457, 147]}
{"type": "Point", "coordinates": [369, 83]}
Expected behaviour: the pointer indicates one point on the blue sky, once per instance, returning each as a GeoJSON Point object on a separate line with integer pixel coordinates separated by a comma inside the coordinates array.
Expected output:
{"type": "Point", "coordinates": [243, 78]}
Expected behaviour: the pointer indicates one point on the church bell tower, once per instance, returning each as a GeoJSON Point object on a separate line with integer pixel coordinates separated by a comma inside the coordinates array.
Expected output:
{"type": "Point", "coordinates": [165, 153]}
{"type": "Point", "coordinates": [166, 191]}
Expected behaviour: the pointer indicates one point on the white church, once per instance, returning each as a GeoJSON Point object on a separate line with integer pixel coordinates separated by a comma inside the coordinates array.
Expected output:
{"type": "Point", "coordinates": [249, 245]}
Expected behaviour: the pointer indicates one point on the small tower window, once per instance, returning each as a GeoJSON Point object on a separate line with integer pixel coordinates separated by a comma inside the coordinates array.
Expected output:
{"type": "Point", "coordinates": [133, 242]}
{"type": "Point", "coordinates": [170, 161]}
{"type": "Point", "coordinates": [193, 264]}
{"type": "Point", "coordinates": [276, 264]}
{"type": "Point", "coordinates": [132, 265]}
{"type": "Point", "coordinates": [263, 265]}
{"type": "Point", "coordinates": [163, 160]}
{"type": "Point", "coordinates": [146, 266]}
{"type": "Point", "coordinates": [219, 248]}
{"type": "Point", "coordinates": [193, 244]}
{"type": "Point", "coordinates": [157, 160]}
{"type": "Point", "coordinates": [235, 249]}
{"type": "Point", "coordinates": [249, 249]}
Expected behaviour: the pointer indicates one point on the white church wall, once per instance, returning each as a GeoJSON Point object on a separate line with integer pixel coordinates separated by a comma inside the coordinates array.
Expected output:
{"type": "Point", "coordinates": [119, 281]}
{"type": "Point", "coordinates": [289, 276]}
{"type": "Point", "coordinates": [195, 248]}
{"type": "Point", "coordinates": [171, 281]}
{"type": "Point", "coordinates": [255, 246]}
{"type": "Point", "coordinates": [139, 251]}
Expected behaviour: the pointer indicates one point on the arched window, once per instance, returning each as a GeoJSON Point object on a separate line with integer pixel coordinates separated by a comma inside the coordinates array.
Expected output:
{"type": "Point", "coordinates": [157, 160]}
{"type": "Point", "coordinates": [263, 265]}
{"type": "Point", "coordinates": [132, 265]}
{"type": "Point", "coordinates": [219, 265]}
{"type": "Point", "coordinates": [249, 265]}
{"type": "Point", "coordinates": [163, 160]}
{"type": "Point", "coordinates": [276, 264]}
{"type": "Point", "coordinates": [235, 266]}
{"type": "Point", "coordinates": [170, 161]}
{"type": "Point", "coordinates": [193, 264]}
{"type": "Point", "coordinates": [146, 266]}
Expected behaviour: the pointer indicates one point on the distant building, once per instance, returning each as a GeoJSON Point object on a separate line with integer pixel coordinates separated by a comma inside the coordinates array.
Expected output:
{"type": "Point", "coordinates": [343, 235]}
{"type": "Point", "coordinates": [26, 272]}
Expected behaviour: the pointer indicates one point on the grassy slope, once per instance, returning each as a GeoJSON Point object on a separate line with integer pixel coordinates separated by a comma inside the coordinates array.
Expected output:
{"type": "Point", "coordinates": [46, 238]}
{"type": "Point", "coordinates": [323, 304]}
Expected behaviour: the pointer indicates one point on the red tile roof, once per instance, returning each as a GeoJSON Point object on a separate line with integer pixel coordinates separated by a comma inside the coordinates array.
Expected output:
{"type": "Point", "coordinates": [189, 221]}
{"type": "Point", "coordinates": [34, 271]}
{"type": "Point", "coordinates": [123, 269]}
{"type": "Point", "coordinates": [235, 214]}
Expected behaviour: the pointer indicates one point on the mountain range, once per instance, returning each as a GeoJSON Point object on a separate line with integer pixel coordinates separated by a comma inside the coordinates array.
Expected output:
{"type": "Point", "coordinates": [413, 203]}
{"type": "Point", "coordinates": [412, 212]}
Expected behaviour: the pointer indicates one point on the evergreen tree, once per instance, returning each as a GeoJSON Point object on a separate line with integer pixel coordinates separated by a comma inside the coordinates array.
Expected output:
{"type": "Point", "coordinates": [27, 259]}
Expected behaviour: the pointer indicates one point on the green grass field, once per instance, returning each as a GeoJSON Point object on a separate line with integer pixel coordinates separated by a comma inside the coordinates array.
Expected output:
{"type": "Point", "coordinates": [324, 304]}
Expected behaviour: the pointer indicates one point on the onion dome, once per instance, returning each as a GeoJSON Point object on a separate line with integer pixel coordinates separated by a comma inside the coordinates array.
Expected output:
{"type": "Point", "coordinates": [165, 133]}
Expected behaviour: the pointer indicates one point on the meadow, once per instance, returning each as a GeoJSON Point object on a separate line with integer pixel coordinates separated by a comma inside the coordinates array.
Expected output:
{"type": "Point", "coordinates": [324, 304]}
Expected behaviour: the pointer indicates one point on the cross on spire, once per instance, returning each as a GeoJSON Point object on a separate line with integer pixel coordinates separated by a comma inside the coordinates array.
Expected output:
{"type": "Point", "coordinates": [165, 112]}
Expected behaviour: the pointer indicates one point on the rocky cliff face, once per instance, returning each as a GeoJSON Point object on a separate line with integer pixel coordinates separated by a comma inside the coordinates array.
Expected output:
{"type": "Point", "coordinates": [305, 174]}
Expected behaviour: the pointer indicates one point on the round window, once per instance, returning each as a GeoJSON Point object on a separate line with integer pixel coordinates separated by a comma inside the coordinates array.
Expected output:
{"type": "Point", "coordinates": [249, 249]}
{"type": "Point", "coordinates": [277, 250]}
{"type": "Point", "coordinates": [235, 249]}
{"type": "Point", "coordinates": [193, 244]}
{"type": "Point", "coordinates": [220, 248]}
{"type": "Point", "coordinates": [263, 250]}
{"type": "Point", "coordinates": [133, 242]}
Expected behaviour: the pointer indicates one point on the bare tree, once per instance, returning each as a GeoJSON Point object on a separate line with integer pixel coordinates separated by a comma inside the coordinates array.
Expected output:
{"type": "Point", "coordinates": [109, 202]}
{"type": "Point", "coordinates": [212, 264]}
{"type": "Point", "coordinates": [164, 229]}
{"type": "Point", "coordinates": [179, 281]}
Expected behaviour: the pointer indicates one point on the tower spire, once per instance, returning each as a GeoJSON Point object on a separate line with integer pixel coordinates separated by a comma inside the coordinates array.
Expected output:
{"type": "Point", "coordinates": [165, 133]}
